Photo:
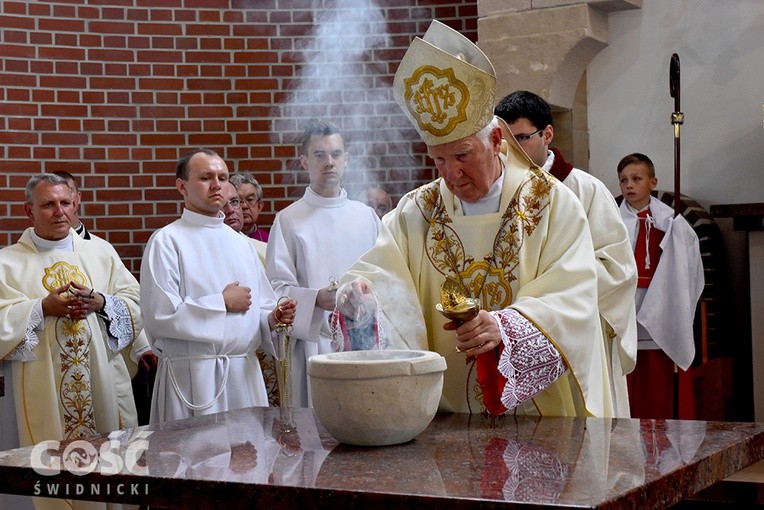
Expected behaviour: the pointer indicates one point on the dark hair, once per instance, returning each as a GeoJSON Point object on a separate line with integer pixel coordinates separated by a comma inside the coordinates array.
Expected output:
{"type": "Point", "coordinates": [317, 127]}
{"type": "Point", "coordinates": [637, 158]}
{"type": "Point", "coordinates": [181, 169]}
{"type": "Point", "coordinates": [522, 104]}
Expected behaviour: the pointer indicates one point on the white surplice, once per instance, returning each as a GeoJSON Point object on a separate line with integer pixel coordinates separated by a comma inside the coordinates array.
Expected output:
{"type": "Point", "coordinates": [207, 360]}
{"type": "Point", "coordinates": [312, 240]}
{"type": "Point", "coordinates": [666, 310]}
{"type": "Point", "coordinates": [616, 278]}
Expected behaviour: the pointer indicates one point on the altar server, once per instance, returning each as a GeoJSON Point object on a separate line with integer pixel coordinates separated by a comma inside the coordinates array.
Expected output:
{"type": "Point", "coordinates": [313, 242]}
{"type": "Point", "coordinates": [670, 282]}
{"type": "Point", "coordinates": [206, 302]}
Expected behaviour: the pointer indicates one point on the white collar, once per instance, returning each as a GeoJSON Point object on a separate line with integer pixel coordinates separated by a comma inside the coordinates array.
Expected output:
{"type": "Point", "coordinates": [202, 219]}
{"type": "Point", "coordinates": [490, 203]}
{"type": "Point", "coordinates": [45, 245]}
{"type": "Point", "coordinates": [314, 198]}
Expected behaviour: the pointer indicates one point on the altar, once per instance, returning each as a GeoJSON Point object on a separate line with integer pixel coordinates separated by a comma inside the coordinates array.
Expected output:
{"type": "Point", "coordinates": [249, 457]}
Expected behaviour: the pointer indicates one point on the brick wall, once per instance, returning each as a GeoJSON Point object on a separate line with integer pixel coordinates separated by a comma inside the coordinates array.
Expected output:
{"type": "Point", "coordinates": [115, 91]}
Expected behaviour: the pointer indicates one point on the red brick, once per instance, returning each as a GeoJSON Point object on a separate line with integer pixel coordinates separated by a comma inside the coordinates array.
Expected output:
{"type": "Point", "coordinates": [138, 42]}
{"type": "Point", "coordinates": [210, 139]}
{"type": "Point", "coordinates": [111, 27]}
{"type": "Point", "coordinates": [17, 36]}
{"type": "Point", "coordinates": [19, 152]}
{"type": "Point", "coordinates": [18, 66]}
{"type": "Point", "coordinates": [18, 50]}
{"type": "Point", "coordinates": [209, 84]}
{"type": "Point", "coordinates": [110, 55]}
{"type": "Point", "coordinates": [94, 153]}
{"type": "Point", "coordinates": [64, 138]}
{"type": "Point", "coordinates": [159, 56]}
{"type": "Point", "coordinates": [160, 84]}
{"type": "Point", "coordinates": [113, 111]}
{"type": "Point", "coordinates": [64, 110]}
{"type": "Point", "coordinates": [70, 125]}
{"type": "Point", "coordinates": [20, 95]}
{"type": "Point", "coordinates": [159, 29]}
{"type": "Point", "coordinates": [162, 139]}
{"type": "Point", "coordinates": [62, 25]}
{"type": "Point", "coordinates": [108, 139]}
{"type": "Point", "coordinates": [41, 38]}
{"type": "Point", "coordinates": [93, 125]}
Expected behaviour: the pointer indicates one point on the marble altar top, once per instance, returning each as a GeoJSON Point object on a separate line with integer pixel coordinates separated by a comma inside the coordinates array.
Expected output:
{"type": "Point", "coordinates": [247, 457]}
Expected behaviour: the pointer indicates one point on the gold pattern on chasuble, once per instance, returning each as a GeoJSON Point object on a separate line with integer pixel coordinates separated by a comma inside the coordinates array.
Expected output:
{"type": "Point", "coordinates": [490, 277]}
{"type": "Point", "coordinates": [73, 340]}
{"type": "Point", "coordinates": [62, 273]}
{"type": "Point", "coordinates": [437, 99]}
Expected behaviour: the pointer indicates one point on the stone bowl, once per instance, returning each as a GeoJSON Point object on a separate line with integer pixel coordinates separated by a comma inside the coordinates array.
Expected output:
{"type": "Point", "coordinates": [376, 398]}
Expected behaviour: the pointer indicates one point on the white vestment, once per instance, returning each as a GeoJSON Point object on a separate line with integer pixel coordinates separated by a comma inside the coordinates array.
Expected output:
{"type": "Point", "coordinates": [47, 355]}
{"type": "Point", "coordinates": [311, 241]}
{"type": "Point", "coordinates": [616, 278]}
{"type": "Point", "coordinates": [207, 360]}
{"type": "Point", "coordinates": [534, 256]}
{"type": "Point", "coordinates": [667, 309]}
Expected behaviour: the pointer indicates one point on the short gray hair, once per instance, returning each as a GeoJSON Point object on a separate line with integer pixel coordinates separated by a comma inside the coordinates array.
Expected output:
{"type": "Point", "coordinates": [485, 134]}
{"type": "Point", "coordinates": [239, 178]}
{"type": "Point", "coordinates": [37, 179]}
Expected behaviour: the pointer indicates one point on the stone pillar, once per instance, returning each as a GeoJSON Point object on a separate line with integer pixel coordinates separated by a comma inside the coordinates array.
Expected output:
{"type": "Point", "coordinates": [544, 46]}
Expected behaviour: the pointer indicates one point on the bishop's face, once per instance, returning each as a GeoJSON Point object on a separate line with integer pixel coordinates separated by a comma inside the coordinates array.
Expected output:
{"type": "Point", "coordinates": [325, 162]}
{"type": "Point", "coordinates": [469, 166]}
{"type": "Point", "coordinates": [203, 191]}
{"type": "Point", "coordinates": [51, 210]}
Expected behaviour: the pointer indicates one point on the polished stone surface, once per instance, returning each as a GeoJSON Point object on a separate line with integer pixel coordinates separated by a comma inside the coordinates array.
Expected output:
{"type": "Point", "coordinates": [244, 458]}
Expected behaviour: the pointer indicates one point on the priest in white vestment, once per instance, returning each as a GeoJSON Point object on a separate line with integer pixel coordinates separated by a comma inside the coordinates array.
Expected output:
{"type": "Point", "coordinates": [530, 119]}
{"type": "Point", "coordinates": [507, 233]}
{"type": "Point", "coordinates": [206, 303]}
{"type": "Point", "coordinates": [313, 242]}
{"type": "Point", "coordinates": [68, 309]}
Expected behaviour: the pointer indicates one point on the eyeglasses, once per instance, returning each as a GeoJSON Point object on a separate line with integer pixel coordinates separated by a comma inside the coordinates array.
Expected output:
{"type": "Point", "coordinates": [234, 202]}
{"type": "Point", "coordinates": [525, 138]}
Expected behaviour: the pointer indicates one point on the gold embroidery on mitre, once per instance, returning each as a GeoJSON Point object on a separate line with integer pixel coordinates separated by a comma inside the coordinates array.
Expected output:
{"type": "Point", "coordinates": [437, 99]}
{"type": "Point", "coordinates": [62, 273]}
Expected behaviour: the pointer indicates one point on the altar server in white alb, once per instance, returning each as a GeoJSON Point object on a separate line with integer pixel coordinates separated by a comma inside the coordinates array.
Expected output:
{"type": "Point", "coordinates": [670, 282]}
{"type": "Point", "coordinates": [315, 240]}
{"type": "Point", "coordinates": [207, 304]}
{"type": "Point", "coordinates": [511, 237]}
{"type": "Point", "coordinates": [530, 119]}
{"type": "Point", "coordinates": [68, 308]}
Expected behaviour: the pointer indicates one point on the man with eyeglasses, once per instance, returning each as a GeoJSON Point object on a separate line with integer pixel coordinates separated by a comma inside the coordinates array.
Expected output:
{"type": "Point", "coordinates": [251, 195]}
{"type": "Point", "coordinates": [233, 210]}
{"type": "Point", "coordinates": [315, 240]}
{"type": "Point", "coordinates": [530, 119]}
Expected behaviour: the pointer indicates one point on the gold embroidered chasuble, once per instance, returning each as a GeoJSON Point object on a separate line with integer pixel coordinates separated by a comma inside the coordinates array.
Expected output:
{"type": "Point", "coordinates": [535, 255]}
{"type": "Point", "coordinates": [74, 384]}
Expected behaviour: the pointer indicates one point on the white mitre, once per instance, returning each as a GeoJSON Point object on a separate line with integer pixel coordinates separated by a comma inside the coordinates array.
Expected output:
{"type": "Point", "coordinates": [445, 85]}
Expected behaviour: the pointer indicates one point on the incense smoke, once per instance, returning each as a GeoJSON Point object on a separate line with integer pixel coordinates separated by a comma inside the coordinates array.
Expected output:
{"type": "Point", "coordinates": [344, 79]}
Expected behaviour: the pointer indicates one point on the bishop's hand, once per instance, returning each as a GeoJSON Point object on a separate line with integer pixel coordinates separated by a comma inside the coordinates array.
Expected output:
{"type": "Point", "coordinates": [356, 300]}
